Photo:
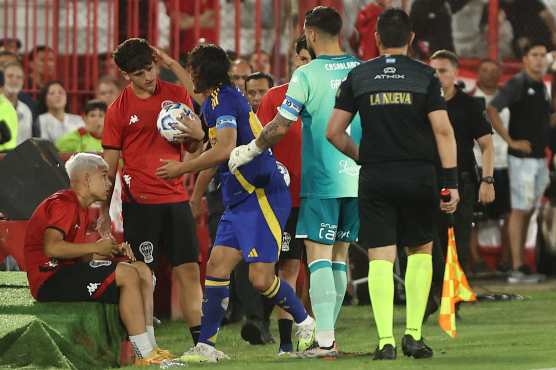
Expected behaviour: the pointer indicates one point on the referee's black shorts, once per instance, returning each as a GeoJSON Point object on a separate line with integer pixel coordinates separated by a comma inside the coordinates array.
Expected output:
{"type": "Point", "coordinates": [398, 204]}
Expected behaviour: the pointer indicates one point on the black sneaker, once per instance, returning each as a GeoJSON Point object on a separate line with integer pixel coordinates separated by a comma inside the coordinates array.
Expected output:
{"type": "Point", "coordinates": [415, 348]}
{"type": "Point", "coordinates": [388, 352]}
{"type": "Point", "coordinates": [252, 332]}
{"type": "Point", "coordinates": [266, 336]}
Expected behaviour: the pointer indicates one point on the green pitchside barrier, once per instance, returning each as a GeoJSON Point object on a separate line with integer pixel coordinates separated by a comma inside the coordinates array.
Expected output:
{"type": "Point", "coordinates": [60, 335]}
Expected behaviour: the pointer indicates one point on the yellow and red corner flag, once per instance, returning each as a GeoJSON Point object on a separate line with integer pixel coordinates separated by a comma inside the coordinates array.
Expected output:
{"type": "Point", "coordinates": [454, 289]}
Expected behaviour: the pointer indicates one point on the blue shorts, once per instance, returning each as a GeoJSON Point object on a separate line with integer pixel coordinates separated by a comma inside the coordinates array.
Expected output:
{"type": "Point", "coordinates": [255, 226]}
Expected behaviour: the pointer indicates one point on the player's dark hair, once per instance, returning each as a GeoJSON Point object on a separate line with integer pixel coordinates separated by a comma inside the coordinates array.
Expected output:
{"type": "Point", "coordinates": [394, 28]}
{"type": "Point", "coordinates": [133, 55]}
{"type": "Point", "coordinates": [41, 98]}
{"type": "Point", "coordinates": [448, 55]}
{"type": "Point", "coordinates": [211, 65]}
{"type": "Point", "coordinates": [325, 19]}
{"type": "Point", "coordinates": [260, 76]}
{"type": "Point", "coordinates": [94, 104]}
{"type": "Point", "coordinates": [301, 44]}
{"type": "Point", "coordinates": [531, 45]}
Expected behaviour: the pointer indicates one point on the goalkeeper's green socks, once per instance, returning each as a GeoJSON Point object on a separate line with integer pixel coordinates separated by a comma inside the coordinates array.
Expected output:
{"type": "Point", "coordinates": [323, 300]}
{"type": "Point", "coordinates": [339, 271]}
{"type": "Point", "coordinates": [418, 277]}
{"type": "Point", "coordinates": [381, 290]}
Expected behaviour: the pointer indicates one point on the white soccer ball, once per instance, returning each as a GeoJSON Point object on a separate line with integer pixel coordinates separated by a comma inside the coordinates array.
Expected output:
{"type": "Point", "coordinates": [167, 122]}
{"type": "Point", "coordinates": [284, 171]}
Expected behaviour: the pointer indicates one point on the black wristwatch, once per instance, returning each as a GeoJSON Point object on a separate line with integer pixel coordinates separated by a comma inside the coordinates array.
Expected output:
{"type": "Point", "coordinates": [488, 179]}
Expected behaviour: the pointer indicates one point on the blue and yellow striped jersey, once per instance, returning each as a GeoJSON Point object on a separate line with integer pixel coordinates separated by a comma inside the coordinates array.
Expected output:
{"type": "Point", "coordinates": [228, 108]}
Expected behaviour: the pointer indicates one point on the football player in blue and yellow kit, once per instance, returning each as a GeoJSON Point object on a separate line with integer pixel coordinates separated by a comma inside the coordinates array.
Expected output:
{"type": "Point", "coordinates": [256, 198]}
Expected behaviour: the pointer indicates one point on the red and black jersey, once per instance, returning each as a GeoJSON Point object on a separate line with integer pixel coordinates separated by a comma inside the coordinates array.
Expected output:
{"type": "Point", "coordinates": [60, 211]}
{"type": "Point", "coordinates": [288, 150]}
{"type": "Point", "coordinates": [130, 126]}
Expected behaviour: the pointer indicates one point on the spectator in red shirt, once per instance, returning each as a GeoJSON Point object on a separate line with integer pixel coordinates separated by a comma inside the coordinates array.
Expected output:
{"type": "Point", "coordinates": [365, 28]}
{"type": "Point", "coordinates": [154, 210]}
{"type": "Point", "coordinates": [288, 152]}
{"type": "Point", "coordinates": [207, 22]}
{"type": "Point", "coordinates": [62, 266]}
{"type": "Point", "coordinates": [42, 63]}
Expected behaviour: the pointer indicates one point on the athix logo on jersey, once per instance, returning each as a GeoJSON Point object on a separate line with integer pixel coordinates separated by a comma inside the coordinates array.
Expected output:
{"type": "Point", "coordinates": [133, 119]}
{"type": "Point", "coordinates": [146, 249]}
{"type": "Point", "coordinates": [389, 75]}
{"type": "Point", "coordinates": [389, 70]}
{"type": "Point", "coordinates": [92, 288]}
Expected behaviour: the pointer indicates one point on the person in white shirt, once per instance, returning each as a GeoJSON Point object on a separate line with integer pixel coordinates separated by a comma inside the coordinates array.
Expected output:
{"type": "Point", "coordinates": [53, 120]}
{"type": "Point", "coordinates": [488, 78]}
{"type": "Point", "coordinates": [13, 73]}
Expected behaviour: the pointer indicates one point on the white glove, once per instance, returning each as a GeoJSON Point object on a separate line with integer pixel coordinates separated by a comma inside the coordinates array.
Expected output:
{"type": "Point", "coordinates": [243, 154]}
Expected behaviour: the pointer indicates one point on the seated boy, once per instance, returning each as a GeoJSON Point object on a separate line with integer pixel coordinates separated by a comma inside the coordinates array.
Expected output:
{"type": "Point", "coordinates": [62, 266]}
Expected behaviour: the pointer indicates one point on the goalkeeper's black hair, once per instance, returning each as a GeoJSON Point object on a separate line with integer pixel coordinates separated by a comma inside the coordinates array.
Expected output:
{"type": "Point", "coordinates": [211, 65]}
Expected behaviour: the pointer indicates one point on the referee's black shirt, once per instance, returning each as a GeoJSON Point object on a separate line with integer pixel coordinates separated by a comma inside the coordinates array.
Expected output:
{"type": "Point", "coordinates": [393, 95]}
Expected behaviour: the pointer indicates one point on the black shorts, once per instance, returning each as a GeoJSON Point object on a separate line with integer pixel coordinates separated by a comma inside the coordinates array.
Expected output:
{"type": "Point", "coordinates": [501, 205]}
{"type": "Point", "coordinates": [93, 281]}
{"type": "Point", "coordinates": [152, 229]}
{"type": "Point", "coordinates": [398, 204]}
{"type": "Point", "coordinates": [292, 248]}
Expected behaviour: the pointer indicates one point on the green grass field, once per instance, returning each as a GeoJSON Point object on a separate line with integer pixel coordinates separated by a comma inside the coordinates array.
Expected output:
{"type": "Point", "coordinates": [491, 335]}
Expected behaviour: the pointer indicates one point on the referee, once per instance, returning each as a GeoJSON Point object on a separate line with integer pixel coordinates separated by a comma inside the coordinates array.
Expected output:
{"type": "Point", "coordinates": [403, 116]}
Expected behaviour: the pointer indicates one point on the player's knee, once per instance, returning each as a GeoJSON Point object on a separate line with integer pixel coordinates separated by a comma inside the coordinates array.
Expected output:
{"type": "Point", "coordinates": [144, 272]}
{"type": "Point", "coordinates": [127, 274]}
{"type": "Point", "coordinates": [188, 272]}
{"type": "Point", "coordinates": [289, 270]}
{"type": "Point", "coordinates": [260, 281]}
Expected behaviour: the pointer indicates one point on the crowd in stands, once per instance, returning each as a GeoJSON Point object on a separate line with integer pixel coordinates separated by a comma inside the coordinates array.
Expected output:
{"type": "Point", "coordinates": [33, 103]}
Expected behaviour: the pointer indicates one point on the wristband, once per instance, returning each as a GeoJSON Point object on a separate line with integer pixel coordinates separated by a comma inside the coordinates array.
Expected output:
{"type": "Point", "coordinates": [449, 178]}
{"type": "Point", "coordinates": [253, 148]}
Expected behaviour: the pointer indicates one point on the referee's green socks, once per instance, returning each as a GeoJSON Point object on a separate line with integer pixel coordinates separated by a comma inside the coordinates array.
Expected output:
{"type": "Point", "coordinates": [418, 277]}
{"type": "Point", "coordinates": [381, 290]}
{"type": "Point", "coordinates": [323, 300]}
{"type": "Point", "coordinates": [339, 271]}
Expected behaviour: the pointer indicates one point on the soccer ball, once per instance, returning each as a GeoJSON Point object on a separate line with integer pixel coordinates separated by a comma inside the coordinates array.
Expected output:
{"type": "Point", "coordinates": [167, 122]}
{"type": "Point", "coordinates": [284, 171]}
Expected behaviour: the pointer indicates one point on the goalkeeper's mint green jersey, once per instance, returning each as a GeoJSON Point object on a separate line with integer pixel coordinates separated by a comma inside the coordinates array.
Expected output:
{"type": "Point", "coordinates": [325, 171]}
